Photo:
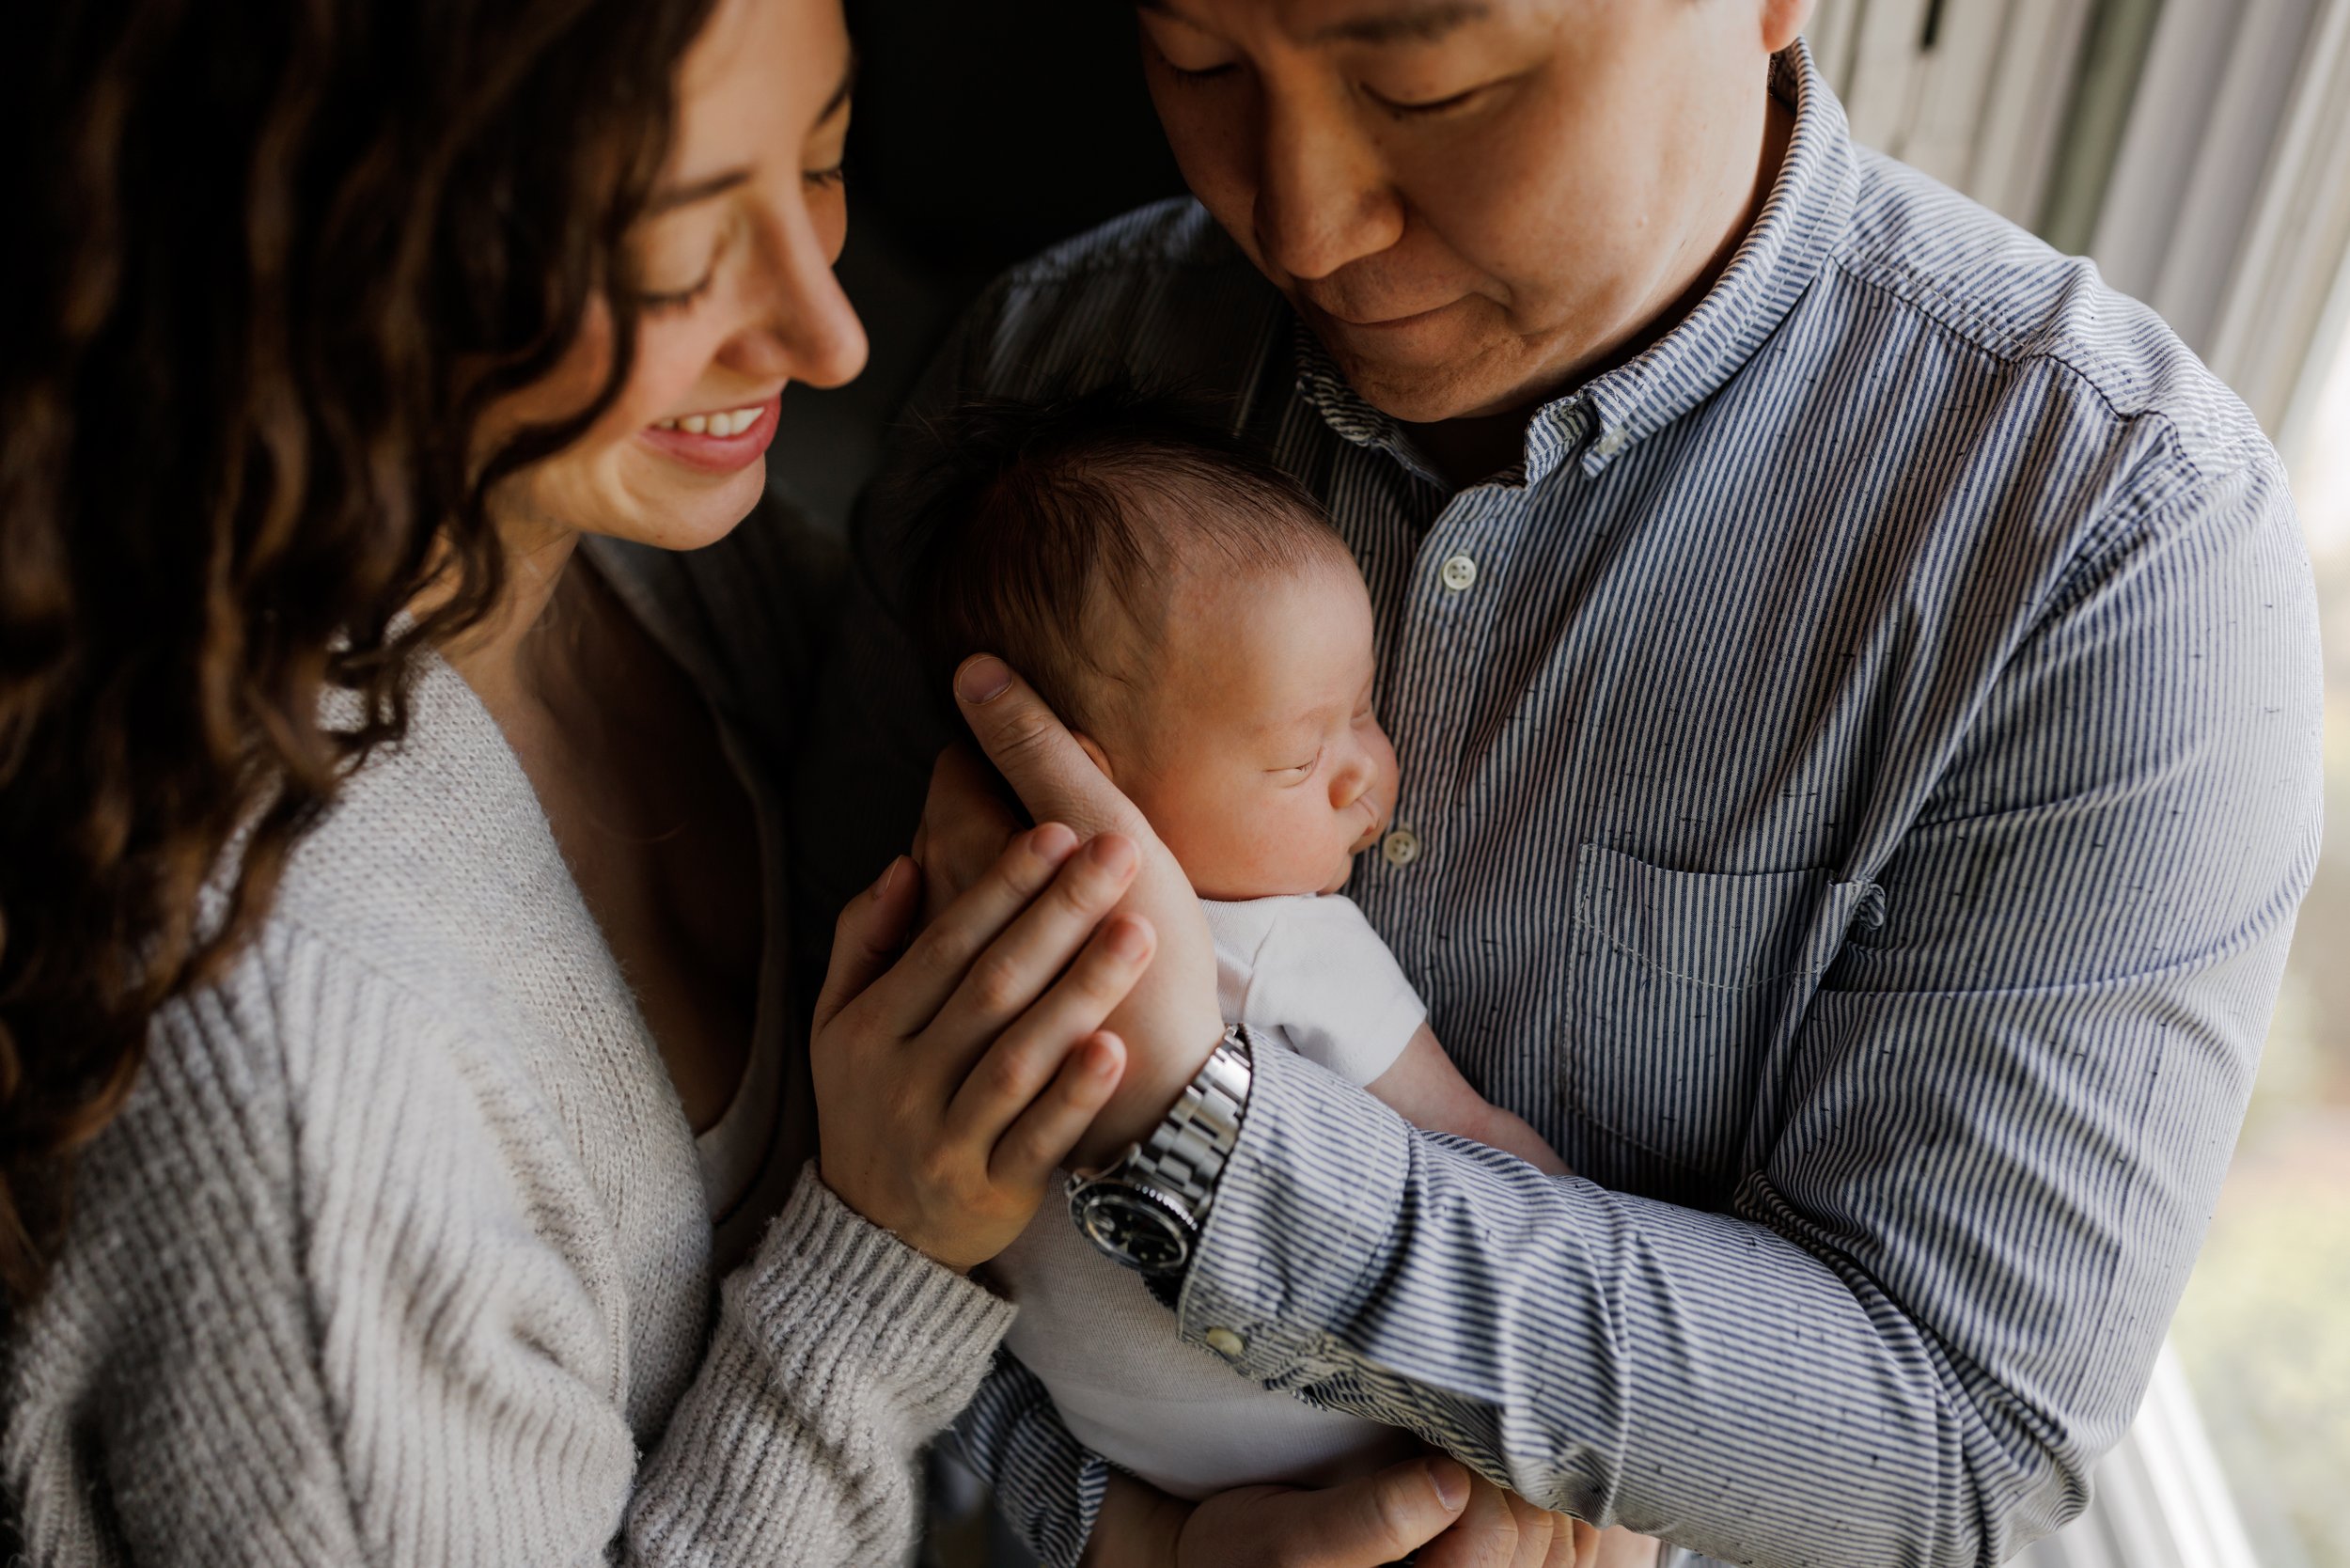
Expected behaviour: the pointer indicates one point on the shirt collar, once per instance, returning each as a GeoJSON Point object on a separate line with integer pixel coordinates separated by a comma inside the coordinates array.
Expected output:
{"type": "Point", "coordinates": [1802, 220]}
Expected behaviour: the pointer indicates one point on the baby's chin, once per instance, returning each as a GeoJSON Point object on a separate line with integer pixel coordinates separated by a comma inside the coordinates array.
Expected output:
{"type": "Point", "coordinates": [1267, 885]}
{"type": "Point", "coordinates": [1338, 883]}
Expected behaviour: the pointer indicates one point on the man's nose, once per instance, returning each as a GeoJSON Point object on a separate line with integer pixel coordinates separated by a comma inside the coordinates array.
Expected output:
{"type": "Point", "coordinates": [1324, 197]}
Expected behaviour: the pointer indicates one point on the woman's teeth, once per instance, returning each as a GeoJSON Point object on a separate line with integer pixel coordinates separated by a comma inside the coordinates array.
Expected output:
{"type": "Point", "coordinates": [732, 422]}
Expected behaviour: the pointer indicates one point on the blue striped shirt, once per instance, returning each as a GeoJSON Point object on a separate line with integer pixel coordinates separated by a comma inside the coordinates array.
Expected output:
{"type": "Point", "coordinates": [1862, 797]}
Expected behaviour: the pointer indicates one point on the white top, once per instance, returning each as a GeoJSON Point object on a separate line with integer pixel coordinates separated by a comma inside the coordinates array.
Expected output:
{"type": "Point", "coordinates": [1312, 972]}
{"type": "Point", "coordinates": [1307, 973]}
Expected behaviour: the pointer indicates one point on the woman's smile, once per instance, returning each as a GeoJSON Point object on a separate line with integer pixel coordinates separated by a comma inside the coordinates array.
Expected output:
{"type": "Point", "coordinates": [719, 440]}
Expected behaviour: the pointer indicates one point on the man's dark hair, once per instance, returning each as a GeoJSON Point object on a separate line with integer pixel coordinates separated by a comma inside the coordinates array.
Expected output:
{"type": "Point", "coordinates": [1026, 520]}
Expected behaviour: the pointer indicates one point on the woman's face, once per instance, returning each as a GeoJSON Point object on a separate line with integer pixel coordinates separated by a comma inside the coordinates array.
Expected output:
{"type": "Point", "coordinates": [735, 254]}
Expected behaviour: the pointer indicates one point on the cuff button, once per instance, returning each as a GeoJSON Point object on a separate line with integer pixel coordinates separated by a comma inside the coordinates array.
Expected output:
{"type": "Point", "coordinates": [1225, 1343]}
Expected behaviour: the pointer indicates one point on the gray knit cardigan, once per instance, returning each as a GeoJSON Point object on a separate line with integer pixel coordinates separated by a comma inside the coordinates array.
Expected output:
{"type": "Point", "coordinates": [399, 1253]}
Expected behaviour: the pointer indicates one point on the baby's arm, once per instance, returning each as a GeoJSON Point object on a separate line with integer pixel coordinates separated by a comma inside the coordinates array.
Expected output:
{"type": "Point", "coordinates": [1429, 1090]}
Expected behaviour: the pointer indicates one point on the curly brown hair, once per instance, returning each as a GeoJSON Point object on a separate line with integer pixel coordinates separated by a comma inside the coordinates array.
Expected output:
{"type": "Point", "coordinates": [273, 260]}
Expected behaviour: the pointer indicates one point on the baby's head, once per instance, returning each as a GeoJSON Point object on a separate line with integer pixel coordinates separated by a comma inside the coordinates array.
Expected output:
{"type": "Point", "coordinates": [1185, 608]}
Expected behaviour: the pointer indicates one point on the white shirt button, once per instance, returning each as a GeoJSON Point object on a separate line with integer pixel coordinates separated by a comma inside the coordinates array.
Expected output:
{"type": "Point", "coordinates": [1611, 441]}
{"type": "Point", "coordinates": [1402, 847]}
{"type": "Point", "coordinates": [1459, 573]}
{"type": "Point", "coordinates": [1225, 1343]}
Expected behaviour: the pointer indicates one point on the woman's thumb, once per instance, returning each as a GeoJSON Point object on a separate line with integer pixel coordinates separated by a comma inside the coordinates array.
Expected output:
{"type": "Point", "coordinates": [865, 940]}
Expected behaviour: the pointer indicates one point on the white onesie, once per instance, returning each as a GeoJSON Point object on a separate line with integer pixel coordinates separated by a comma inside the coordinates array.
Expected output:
{"type": "Point", "coordinates": [1307, 973]}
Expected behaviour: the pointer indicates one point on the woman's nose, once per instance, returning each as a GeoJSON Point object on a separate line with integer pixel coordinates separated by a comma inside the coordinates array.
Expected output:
{"type": "Point", "coordinates": [1324, 198]}
{"type": "Point", "coordinates": [806, 330]}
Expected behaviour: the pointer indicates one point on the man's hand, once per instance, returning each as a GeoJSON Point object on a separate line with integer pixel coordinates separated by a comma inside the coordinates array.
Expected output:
{"type": "Point", "coordinates": [1456, 1518]}
{"type": "Point", "coordinates": [1169, 1021]}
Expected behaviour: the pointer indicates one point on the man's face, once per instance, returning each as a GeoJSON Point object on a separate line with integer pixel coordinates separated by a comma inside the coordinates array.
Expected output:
{"type": "Point", "coordinates": [1472, 202]}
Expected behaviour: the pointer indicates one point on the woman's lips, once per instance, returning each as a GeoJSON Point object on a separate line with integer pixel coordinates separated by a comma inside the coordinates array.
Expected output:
{"type": "Point", "coordinates": [718, 454]}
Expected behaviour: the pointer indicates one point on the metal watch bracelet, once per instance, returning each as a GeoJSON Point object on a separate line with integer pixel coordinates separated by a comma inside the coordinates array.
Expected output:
{"type": "Point", "coordinates": [1145, 1211]}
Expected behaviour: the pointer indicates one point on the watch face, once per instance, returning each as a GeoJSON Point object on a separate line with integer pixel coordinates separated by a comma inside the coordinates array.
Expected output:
{"type": "Point", "coordinates": [1133, 1226]}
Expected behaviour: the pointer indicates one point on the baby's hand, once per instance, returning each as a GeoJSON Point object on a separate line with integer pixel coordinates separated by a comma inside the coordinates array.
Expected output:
{"type": "Point", "coordinates": [1429, 1090]}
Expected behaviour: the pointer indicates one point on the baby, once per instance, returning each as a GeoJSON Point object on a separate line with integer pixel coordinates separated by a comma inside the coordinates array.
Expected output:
{"type": "Point", "coordinates": [1191, 614]}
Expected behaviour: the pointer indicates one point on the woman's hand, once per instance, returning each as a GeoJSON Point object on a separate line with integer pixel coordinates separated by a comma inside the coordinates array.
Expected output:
{"type": "Point", "coordinates": [1455, 1518]}
{"type": "Point", "coordinates": [1169, 1021]}
{"type": "Point", "coordinates": [951, 1081]}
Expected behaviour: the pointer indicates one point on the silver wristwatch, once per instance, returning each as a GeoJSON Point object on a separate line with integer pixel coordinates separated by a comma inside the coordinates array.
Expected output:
{"type": "Point", "coordinates": [1146, 1209]}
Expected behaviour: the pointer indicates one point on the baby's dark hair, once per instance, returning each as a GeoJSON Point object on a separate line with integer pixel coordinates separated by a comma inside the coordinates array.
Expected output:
{"type": "Point", "coordinates": [1028, 519]}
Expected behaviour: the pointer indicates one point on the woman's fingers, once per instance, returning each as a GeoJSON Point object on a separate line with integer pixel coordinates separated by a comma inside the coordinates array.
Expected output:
{"type": "Point", "coordinates": [866, 937]}
{"type": "Point", "coordinates": [1016, 969]}
{"type": "Point", "coordinates": [1035, 751]}
{"type": "Point", "coordinates": [1041, 1135]}
{"type": "Point", "coordinates": [937, 960]}
{"type": "Point", "coordinates": [1001, 1082]}
{"type": "Point", "coordinates": [1003, 983]}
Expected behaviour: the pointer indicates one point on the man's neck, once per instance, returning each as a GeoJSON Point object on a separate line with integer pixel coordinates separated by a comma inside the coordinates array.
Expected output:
{"type": "Point", "coordinates": [1466, 451]}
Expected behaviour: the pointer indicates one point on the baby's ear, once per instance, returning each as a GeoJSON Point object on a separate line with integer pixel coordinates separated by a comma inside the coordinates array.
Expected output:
{"type": "Point", "coordinates": [1093, 748]}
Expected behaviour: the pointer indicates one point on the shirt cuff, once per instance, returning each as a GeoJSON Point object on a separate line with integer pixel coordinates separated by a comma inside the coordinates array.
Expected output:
{"type": "Point", "coordinates": [1302, 1221]}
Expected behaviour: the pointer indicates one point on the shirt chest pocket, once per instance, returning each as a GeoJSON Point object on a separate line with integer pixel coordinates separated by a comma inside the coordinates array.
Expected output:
{"type": "Point", "coordinates": [1683, 985]}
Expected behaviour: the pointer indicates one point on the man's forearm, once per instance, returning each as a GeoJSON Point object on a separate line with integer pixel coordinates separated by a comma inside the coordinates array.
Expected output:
{"type": "Point", "coordinates": [1627, 1361]}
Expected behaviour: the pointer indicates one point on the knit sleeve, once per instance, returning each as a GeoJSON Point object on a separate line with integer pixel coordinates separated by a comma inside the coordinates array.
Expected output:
{"type": "Point", "coordinates": [336, 1292]}
{"type": "Point", "coordinates": [840, 1353]}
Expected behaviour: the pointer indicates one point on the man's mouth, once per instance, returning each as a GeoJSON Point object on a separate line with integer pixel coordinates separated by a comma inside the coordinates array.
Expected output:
{"type": "Point", "coordinates": [1384, 319]}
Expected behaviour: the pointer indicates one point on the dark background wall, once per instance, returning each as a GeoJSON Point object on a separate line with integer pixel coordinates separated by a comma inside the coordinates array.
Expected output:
{"type": "Point", "coordinates": [984, 131]}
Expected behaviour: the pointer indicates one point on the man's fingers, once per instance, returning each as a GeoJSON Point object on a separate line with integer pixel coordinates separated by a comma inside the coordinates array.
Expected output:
{"type": "Point", "coordinates": [1538, 1529]}
{"type": "Point", "coordinates": [1484, 1536]}
{"type": "Point", "coordinates": [1043, 1134]}
{"type": "Point", "coordinates": [1035, 751]}
{"type": "Point", "coordinates": [865, 938]}
{"type": "Point", "coordinates": [1378, 1518]}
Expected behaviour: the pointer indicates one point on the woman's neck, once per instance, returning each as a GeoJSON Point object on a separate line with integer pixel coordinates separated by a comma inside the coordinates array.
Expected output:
{"type": "Point", "coordinates": [509, 658]}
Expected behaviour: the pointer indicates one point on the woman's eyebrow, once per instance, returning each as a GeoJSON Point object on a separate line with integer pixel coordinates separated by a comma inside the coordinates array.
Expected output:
{"type": "Point", "coordinates": [727, 179]}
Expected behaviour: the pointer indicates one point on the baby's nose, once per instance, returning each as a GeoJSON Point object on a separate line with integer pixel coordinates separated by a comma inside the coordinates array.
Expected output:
{"type": "Point", "coordinates": [1350, 783]}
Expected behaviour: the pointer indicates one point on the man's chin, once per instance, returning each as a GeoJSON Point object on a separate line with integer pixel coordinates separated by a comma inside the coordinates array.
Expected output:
{"type": "Point", "coordinates": [1427, 388]}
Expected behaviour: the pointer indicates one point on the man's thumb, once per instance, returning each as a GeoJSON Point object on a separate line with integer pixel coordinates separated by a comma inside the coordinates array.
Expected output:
{"type": "Point", "coordinates": [1382, 1516]}
{"type": "Point", "coordinates": [1034, 751]}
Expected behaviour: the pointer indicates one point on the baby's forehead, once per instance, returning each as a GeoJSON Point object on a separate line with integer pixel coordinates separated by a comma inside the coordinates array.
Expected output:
{"type": "Point", "coordinates": [1243, 648]}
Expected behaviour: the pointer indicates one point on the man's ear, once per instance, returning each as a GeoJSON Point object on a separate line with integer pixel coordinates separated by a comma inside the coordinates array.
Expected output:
{"type": "Point", "coordinates": [1092, 748]}
{"type": "Point", "coordinates": [1783, 19]}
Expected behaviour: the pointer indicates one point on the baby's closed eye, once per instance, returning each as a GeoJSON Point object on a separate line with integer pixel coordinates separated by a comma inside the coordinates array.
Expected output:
{"type": "Point", "coordinates": [1296, 773]}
